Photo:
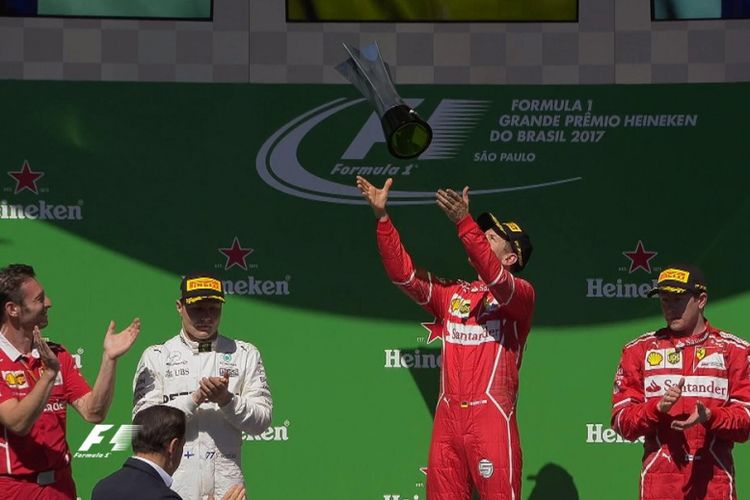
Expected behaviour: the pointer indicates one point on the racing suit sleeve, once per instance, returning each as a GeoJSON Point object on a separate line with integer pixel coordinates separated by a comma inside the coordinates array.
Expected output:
{"type": "Point", "coordinates": [148, 385]}
{"type": "Point", "coordinates": [515, 295]}
{"type": "Point", "coordinates": [251, 410]}
{"type": "Point", "coordinates": [731, 422]}
{"type": "Point", "coordinates": [632, 415]}
{"type": "Point", "coordinates": [421, 286]}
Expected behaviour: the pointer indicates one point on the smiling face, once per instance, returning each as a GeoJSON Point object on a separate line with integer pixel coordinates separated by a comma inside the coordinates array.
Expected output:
{"type": "Point", "coordinates": [683, 311]}
{"type": "Point", "coordinates": [201, 319]}
{"type": "Point", "coordinates": [31, 310]}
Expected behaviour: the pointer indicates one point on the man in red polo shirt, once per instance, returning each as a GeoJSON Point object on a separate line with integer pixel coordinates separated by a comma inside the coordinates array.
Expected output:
{"type": "Point", "coordinates": [38, 381]}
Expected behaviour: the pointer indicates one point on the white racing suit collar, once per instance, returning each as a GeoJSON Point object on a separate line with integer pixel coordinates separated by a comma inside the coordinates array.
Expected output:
{"type": "Point", "coordinates": [196, 347]}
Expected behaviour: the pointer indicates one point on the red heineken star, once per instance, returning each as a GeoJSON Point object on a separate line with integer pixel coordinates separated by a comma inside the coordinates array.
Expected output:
{"type": "Point", "coordinates": [236, 255]}
{"type": "Point", "coordinates": [640, 258]}
{"type": "Point", "coordinates": [26, 178]}
{"type": "Point", "coordinates": [436, 330]}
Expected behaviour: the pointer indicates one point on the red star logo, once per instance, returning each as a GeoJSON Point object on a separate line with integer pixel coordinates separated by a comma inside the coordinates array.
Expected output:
{"type": "Point", "coordinates": [640, 258]}
{"type": "Point", "coordinates": [436, 330]}
{"type": "Point", "coordinates": [236, 255]}
{"type": "Point", "coordinates": [26, 178]}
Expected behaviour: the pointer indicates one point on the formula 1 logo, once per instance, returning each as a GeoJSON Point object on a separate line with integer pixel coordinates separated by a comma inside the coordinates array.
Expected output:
{"type": "Point", "coordinates": [293, 163]}
{"type": "Point", "coordinates": [120, 440]}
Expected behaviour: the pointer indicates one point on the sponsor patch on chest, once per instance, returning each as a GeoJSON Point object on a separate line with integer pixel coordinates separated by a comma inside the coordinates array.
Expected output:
{"type": "Point", "coordinates": [713, 360]}
{"type": "Point", "coordinates": [654, 386]}
{"type": "Point", "coordinates": [459, 333]}
{"type": "Point", "coordinates": [459, 306]}
{"type": "Point", "coordinates": [180, 371]}
{"type": "Point", "coordinates": [662, 358]}
{"type": "Point", "coordinates": [15, 379]}
{"type": "Point", "coordinates": [229, 371]}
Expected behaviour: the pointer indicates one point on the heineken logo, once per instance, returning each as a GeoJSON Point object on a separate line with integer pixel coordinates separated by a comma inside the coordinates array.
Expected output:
{"type": "Point", "coordinates": [317, 154]}
{"type": "Point", "coordinates": [25, 180]}
{"type": "Point", "coordinates": [236, 255]}
{"type": "Point", "coordinates": [638, 258]}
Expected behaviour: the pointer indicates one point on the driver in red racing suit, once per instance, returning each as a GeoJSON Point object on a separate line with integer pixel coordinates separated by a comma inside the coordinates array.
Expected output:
{"type": "Point", "coordinates": [485, 324]}
{"type": "Point", "coordinates": [686, 388]}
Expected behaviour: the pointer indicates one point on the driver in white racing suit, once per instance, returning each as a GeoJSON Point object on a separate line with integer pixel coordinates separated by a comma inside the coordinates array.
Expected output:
{"type": "Point", "coordinates": [219, 383]}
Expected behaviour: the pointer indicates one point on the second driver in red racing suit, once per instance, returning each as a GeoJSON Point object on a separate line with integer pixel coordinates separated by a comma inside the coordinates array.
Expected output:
{"type": "Point", "coordinates": [485, 324]}
{"type": "Point", "coordinates": [685, 388]}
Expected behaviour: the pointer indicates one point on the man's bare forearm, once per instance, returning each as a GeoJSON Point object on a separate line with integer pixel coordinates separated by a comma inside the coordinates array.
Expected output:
{"type": "Point", "coordinates": [100, 398]}
{"type": "Point", "coordinates": [19, 416]}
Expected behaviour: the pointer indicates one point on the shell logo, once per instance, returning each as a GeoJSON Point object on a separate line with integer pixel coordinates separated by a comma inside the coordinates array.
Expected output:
{"type": "Point", "coordinates": [655, 359]}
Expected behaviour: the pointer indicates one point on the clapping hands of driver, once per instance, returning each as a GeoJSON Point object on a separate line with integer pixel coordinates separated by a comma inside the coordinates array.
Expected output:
{"type": "Point", "coordinates": [671, 396]}
{"type": "Point", "coordinates": [700, 414]}
{"type": "Point", "coordinates": [213, 389]}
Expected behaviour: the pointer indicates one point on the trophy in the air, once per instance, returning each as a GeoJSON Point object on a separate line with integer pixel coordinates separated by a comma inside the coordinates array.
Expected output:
{"type": "Point", "coordinates": [406, 134]}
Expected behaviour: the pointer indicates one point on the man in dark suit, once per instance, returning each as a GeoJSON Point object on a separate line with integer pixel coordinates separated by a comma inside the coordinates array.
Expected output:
{"type": "Point", "coordinates": [157, 445]}
{"type": "Point", "coordinates": [158, 449]}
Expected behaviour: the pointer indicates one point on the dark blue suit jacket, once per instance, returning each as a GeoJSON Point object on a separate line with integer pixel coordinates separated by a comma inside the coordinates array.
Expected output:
{"type": "Point", "coordinates": [136, 479]}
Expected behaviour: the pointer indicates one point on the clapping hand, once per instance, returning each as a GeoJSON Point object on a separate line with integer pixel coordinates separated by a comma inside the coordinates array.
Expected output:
{"type": "Point", "coordinates": [700, 414]}
{"type": "Point", "coordinates": [48, 358]}
{"type": "Point", "coordinates": [117, 344]}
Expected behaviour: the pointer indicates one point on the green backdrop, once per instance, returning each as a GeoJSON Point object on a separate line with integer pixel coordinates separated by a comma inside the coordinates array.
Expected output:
{"type": "Point", "coordinates": [143, 182]}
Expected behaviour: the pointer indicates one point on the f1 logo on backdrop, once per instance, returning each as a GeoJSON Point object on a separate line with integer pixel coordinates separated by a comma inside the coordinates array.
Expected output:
{"type": "Point", "coordinates": [119, 441]}
{"type": "Point", "coordinates": [453, 123]}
